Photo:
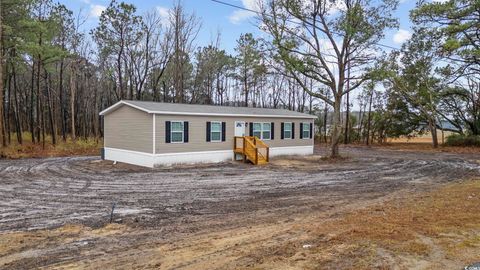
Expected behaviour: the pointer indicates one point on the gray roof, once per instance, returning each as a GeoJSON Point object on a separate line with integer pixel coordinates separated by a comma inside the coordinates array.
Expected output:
{"type": "Point", "coordinates": [191, 109]}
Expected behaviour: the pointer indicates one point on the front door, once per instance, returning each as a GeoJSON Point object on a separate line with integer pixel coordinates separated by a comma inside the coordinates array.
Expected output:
{"type": "Point", "coordinates": [240, 132]}
{"type": "Point", "coordinates": [239, 128]}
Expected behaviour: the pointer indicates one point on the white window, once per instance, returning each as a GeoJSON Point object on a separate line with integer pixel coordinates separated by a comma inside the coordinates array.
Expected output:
{"type": "Point", "coordinates": [216, 131]}
{"type": "Point", "coordinates": [262, 130]}
{"type": "Point", "coordinates": [176, 132]}
{"type": "Point", "coordinates": [287, 130]}
{"type": "Point", "coordinates": [257, 130]}
{"type": "Point", "coordinates": [306, 131]}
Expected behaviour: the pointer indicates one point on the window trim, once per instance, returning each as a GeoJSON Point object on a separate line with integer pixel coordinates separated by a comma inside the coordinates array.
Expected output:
{"type": "Point", "coordinates": [291, 128]}
{"type": "Point", "coordinates": [171, 130]}
{"type": "Point", "coordinates": [219, 140]}
{"type": "Point", "coordinates": [262, 130]}
{"type": "Point", "coordinates": [307, 124]}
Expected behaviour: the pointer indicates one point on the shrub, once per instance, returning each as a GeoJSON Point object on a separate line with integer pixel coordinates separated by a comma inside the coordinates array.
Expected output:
{"type": "Point", "coordinates": [463, 140]}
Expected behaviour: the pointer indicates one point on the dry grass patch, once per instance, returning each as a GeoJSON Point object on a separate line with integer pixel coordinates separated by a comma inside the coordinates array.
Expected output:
{"type": "Point", "coordinates": [80, 147]}
{"type": "Point", "coordinates": [435, 230]}
{"type": "Point", "coordinates": [427, 147]}
{"type": "Point", "coordinates": [13, 245]}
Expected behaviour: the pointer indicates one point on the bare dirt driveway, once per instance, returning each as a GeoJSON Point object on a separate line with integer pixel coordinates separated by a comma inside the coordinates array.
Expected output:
{"type": "Point", "coordinates": [55, 211]}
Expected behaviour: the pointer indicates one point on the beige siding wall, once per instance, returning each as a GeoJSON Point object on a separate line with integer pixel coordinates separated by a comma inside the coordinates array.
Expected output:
{"type": "Point", "coordinates": [130, 129]}
{"type": "Point", "coordinates": [197, 133]}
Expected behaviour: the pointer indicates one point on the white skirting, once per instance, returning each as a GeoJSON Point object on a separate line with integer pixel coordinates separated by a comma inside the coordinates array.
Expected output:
{"type": "Point", "coordinates": [291, 150]}
{"type": "Point", "coordinates": [150, 160]}
{"type": "Point", "coordinates": [130, 157]}
{"type": "Point", "coordinates": [193, 157]}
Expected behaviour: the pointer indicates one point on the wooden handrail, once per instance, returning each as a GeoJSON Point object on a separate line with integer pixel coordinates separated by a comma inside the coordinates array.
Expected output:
{"type": "Point", "coordinates": [250, 142]}
{"type": "Point", "coordinates": [262, 144]}
{"type": "Point", "coordinates": [252, 147]}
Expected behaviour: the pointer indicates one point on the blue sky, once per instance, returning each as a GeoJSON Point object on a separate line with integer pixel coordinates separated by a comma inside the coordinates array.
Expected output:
{"type": "Point", "coordinates": [215, 17]}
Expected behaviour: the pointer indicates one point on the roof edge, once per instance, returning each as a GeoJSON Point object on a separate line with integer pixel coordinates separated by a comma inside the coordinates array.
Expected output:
{"type": "Point", "coordinates": [306, 116]}
{"type": "Point", "coordinates": [122, 102]}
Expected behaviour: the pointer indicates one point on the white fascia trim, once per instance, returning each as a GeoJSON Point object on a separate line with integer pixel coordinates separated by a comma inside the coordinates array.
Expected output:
{"type": "Point", "coordinates": [203, 114]}
{"type": "Point", "coordinates": [122, 102]}
{"type": "Point", "coordinates": [230, 114]}
{"type": "Point", "coordinates": [154, 135]}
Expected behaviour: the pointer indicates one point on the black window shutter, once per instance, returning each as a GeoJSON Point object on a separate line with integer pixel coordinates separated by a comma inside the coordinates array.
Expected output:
{"type": "Point", "coordinates": [301, 130]}
{"type": "Point", "coordinates": [282, 130]}
{"type": "Point", "coordinates": [251, 128]}
{"type": "Point", "coordinates": [293, 130]}
{"type": "Point", "coordinates": [311, 130]}
{"type": "Point", "coordinates": [209, 128]}
{"type": "Point", "coordinates": [224, 128]}
{"type": "Point", "coordinates": [185, 131]}
{"type": "Point", "coordinates": [272, 131]}
{"type": "Point", "coordinates": [167, 131]}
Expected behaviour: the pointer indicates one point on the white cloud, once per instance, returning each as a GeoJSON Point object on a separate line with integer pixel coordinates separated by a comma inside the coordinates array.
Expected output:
{"type": "Point", "coordinates": [164, 14]}
{"type": "Point", "coordinates": [251, 4]}
{"type": "Point", "coordinates": [240, 15]}
{"type": "Point", "coordinates": [96, 10]}
{"type": "Point", "coordinates": [440, 1]}
{"type": "Point", "coordinates": [336, 6]}
{"type": "Point", "coordinates": [401, 36]}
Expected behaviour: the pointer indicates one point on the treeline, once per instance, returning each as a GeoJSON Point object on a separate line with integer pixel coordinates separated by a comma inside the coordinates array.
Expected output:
{"type": "Point", "coordinates": [57, 78]}
{"type": "Point", "coordinates": [431, 83]}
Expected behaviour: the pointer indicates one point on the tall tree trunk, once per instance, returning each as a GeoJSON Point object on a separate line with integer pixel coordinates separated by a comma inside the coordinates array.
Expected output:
{"type": "Point", "coordinates": [347, 119]}
{"type": "Point", "coordinates": [360, 123]}
{"type": "Point", "coordinates": [2, 124]}
{"type": "Point", "coordinates": [310, 105]}
{"type": "Point", "coordinates": [8, 109]}
{"type": "Point", "coordinates": [96, 117]}
{"type": "Point", "coordinates": [119, 70]}
{"type": "Point", "coordinates": [245, 86]}
{"type": "Point", "coordinates": [32, 105]}
{"type": "Point", "coordinates": [433, 130]}
{"type": "Point", "coordinates": [51, 109]}
{"type": "Point", "coordinates": [325, 119]}
{"type": "Point", "coordinates": [336, 128]}
{"type": "Point", "coordinates": [369, 116]}
{"type": "Point", "coordinates": [72, 100]}
{"type": "Point", "coordinates": [165, 94]}
{"type": "Point", "coordinates": [39, 101]}
{"type": "Point", "coordinates": [63, 115]}
{"type": "Point", "coordinates": [17, 108]}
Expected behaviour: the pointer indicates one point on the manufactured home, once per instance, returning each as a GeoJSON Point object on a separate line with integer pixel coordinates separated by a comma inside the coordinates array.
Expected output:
{"type": "Point", "coordinates": [154, 133]}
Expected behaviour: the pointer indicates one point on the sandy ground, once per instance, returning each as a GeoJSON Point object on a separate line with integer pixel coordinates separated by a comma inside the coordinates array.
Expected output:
{"type": "Point", "coordinates": [290, 214]}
